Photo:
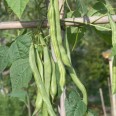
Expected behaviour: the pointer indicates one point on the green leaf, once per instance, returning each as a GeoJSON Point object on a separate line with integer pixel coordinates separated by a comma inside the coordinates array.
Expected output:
{"type": "Point", "coordinates": [3, 57]}
{"type": "Point", "coordinates": [20, 48]}
{"type": "Point", "coordinates": [74, 105]}
{"type": "Point", "coordinates": [73, 14]}
{"type": "Point", "coordinates": [110, 7]}
{"type": "Point", "coordinates": [70, 14]}
{"type": "Point", "coordinates": [20, 94]}
{"type": "Point", "coordinates": [82, 6]}
{"type": "Point", "coordinates": [17, 6]}
{"type": "Point", "coordinates": [74, 35]}
{"type": "Point", "coordinates": [20, 74]}
{"type": "Point", "coordinates": [71, 35]}
{"type": "Point", "coordinates": [105, 35]}
{"type": "Point", "coordinates": [98, 9]}
{"type": "Point", "coordinates": [80, 109]}
{"type": "Point", "coordinates": [113, 27]}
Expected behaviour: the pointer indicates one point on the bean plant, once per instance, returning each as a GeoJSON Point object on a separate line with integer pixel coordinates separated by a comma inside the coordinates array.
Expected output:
{"type": "Point", "coordinates": [42, 57]}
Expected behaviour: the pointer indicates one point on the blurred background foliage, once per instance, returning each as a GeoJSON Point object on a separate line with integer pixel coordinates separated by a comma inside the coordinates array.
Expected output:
{"type": "Point", "coordinates": [86, 44]}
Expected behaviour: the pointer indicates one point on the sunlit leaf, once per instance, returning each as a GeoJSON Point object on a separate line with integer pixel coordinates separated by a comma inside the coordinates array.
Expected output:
{"type": "Point", "coordinates": [17, 6]}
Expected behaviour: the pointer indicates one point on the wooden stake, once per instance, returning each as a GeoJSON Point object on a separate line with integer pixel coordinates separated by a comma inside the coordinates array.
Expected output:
{"type": "Point", "coordinates": [65, 22]}
{"type": "Point", "coordinates": [102, 100]}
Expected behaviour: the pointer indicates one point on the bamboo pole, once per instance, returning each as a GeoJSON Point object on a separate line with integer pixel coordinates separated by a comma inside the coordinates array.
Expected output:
{"type": "Point", "coordinates": [64, 22]}
{"type": "Point", "coordinates": [63, 95]}
{"type": "Point", "coordinates": [102, 101]}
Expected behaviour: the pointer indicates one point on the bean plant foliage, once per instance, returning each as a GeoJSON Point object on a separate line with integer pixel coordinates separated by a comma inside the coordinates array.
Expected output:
{"type": "Point", "coordinates": [42, 58]}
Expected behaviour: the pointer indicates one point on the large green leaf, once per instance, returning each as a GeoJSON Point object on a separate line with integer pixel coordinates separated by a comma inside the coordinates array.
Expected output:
{"type": "Point", "coordinates": [74, 105]}
{"type": "Point", "coordinates": [103, 30]}
{"type": "Point", "coordinates": [17, 6]}
{"type": "Point", "coordinates": [20, 48]}
{"type": "Point", "coordinates": [20, 74]}
{"type": "Point", "coordinates": [3, 57]}
{"type": "Point", "coordinates": [98, 9]}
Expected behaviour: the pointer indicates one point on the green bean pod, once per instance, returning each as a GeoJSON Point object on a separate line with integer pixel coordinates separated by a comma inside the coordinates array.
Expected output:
{"type": "Point", "coordinates": [62, 74]}
{"type": "Point", "coordinates": [44, 110]}
{"type": "Point", "coordinates": [47, 73]}
{"type": "Point", "coordinates": [38, 103]}
{"type": "Point", "coordinates": [39, 64]}
{"type": "Point", "coordinates": [53, 33]}
{"type": "Point", "coordinates": [66, 45]}
{"type": "Point", "coordinates": [47, 69]}
{"type": "Point", "coordinates": [53, 89]}
{"type": "Point", "coordinates": [47, 77]}
{"type": "Point", "coordinates": [38, 80]}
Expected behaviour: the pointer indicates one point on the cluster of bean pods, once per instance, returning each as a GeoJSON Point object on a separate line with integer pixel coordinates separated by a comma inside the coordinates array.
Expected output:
{"type": "Point", "coordinates": [46, 71]}
{"type": "Point", "coordinates": [62, 57]}
{"type": "Point", "coordinates": [43, 68]}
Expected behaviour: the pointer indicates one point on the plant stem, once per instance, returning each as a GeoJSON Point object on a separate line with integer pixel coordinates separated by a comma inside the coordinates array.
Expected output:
{"type": "Point", "coordinates": [28, 106]}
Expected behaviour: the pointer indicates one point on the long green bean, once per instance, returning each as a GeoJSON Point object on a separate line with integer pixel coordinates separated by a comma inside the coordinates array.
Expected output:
{"type": "Point", "coordinates": [51, 19]}
{"type": "Point", "coordinates": [38, 103]}
{"type": "Point", "coordinates": [66, 46]}
{"type": "Point", "coordinates": [53, 89]}
{"type": "Point", "coordinates": [47, 76]}
{"type": "Point", "coordinates": [39, 64]}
